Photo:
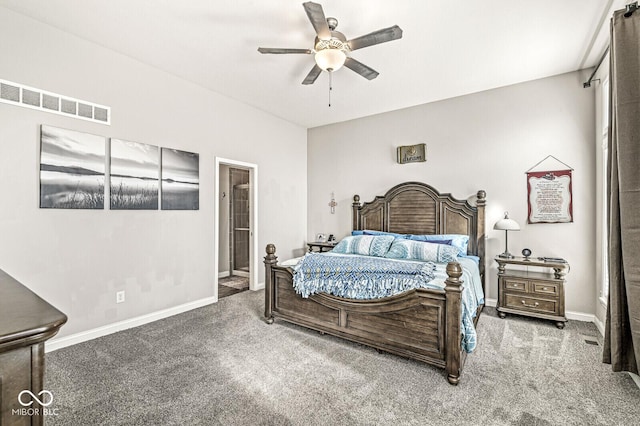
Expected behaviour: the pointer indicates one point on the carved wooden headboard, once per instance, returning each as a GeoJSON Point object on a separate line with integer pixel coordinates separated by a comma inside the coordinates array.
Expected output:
{"type": "Point", "coordinates": [417, 208]}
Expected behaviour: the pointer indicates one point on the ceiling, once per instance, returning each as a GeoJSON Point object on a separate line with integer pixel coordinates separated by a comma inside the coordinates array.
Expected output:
{"type": "Point", "coordinates": [449, 48]}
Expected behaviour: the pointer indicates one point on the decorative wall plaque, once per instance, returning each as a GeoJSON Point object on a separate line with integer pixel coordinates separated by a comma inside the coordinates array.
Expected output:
{"type": "Point", "coordinates": [550, 197]}
{"type": "Point", "coordinates": [412, 153]}
{"type": "Point", "coordinates": [549, 193]}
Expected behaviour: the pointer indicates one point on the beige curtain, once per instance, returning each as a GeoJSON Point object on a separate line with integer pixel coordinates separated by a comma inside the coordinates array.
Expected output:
{"type": "Point", "coordinates": [622, 329]}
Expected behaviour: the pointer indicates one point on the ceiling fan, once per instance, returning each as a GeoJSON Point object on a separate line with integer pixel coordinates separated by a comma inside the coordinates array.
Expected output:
{"type": "Point", "coordinates": [331, 48]}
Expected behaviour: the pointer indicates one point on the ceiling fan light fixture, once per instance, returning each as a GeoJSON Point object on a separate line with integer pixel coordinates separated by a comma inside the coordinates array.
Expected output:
{"type": "Point", "coordinates": [330, 59]}
{"type": "Point", "coordinates": [332, 49]}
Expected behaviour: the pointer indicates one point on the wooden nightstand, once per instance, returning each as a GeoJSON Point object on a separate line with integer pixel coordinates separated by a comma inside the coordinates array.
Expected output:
{"type": "Point", "coordinates": [321, 246]}
{"type": "Point", "coordinates": [535, 294]}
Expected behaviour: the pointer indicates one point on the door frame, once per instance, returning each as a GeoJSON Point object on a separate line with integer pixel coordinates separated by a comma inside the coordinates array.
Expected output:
{"type": "Point", "coordinates": [253, 220]}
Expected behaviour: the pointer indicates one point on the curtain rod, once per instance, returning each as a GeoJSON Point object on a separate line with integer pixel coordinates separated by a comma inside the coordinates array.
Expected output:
{"type": "Point", "coordinates": [629, 9]}
{"type": "Point", "coordinates": [588, 82]}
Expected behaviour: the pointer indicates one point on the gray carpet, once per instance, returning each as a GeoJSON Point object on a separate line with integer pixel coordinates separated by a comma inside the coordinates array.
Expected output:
{"type": "Point", "coordinates": [222, 365]}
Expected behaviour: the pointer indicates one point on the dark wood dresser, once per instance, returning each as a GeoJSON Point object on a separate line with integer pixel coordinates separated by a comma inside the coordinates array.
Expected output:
{"type": "Point", "coordinates": [537, 293]}
{"type": "Point", "coordinates": [26, 322]}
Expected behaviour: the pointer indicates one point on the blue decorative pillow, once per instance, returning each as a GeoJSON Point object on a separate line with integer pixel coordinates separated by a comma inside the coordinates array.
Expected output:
{"type": "Point", "coordinates": [445, 242]}
{"type": "Point", "coordinates": [459, 241]}
{"type": "Point", "coordinates": [418, 250]}
{"type": "Point", "coordinates": [370, 232]}
{"type": "Point", "coordinates": [367, 245]}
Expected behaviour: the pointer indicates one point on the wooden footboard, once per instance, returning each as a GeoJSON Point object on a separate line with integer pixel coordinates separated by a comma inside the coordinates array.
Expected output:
{"type": "Point", "coordinates": [421, 324]}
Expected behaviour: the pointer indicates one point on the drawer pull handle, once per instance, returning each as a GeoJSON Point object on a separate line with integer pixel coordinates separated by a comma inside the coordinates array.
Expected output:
{"type": "Point", "coordinates": [545, 288]}
{"type": "Point", "coordinates": [535, 305]}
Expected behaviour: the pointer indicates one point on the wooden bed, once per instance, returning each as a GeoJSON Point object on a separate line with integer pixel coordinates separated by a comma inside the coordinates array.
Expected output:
{"type": "Point", "coordinates": [420, 324]}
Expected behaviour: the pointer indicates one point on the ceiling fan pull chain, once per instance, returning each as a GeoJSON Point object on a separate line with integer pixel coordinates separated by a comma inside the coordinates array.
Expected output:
{"type": "Point", "coordinates": [330, 88]}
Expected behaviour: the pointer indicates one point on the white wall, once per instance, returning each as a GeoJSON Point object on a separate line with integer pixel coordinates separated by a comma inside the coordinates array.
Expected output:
{"type": "Point", "coordinates": [77, 260]}
{"type": "Point", "coordinates": [484, 141]}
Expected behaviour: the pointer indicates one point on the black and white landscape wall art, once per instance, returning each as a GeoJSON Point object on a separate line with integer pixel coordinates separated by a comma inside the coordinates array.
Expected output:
{"type": "Point", "coordinates": [180, 180]}
{"type": "Point", "coordinates": [134, 177]}
{"type": "Point", "coordinates": [72, 169]}
{"type": "Point", "coordinates": [73, 173]}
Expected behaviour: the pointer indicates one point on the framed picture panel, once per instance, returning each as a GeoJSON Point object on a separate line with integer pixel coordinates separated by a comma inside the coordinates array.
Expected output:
{"type": "Point", "coordinates": [180, 188]}
{"type": "Point", "coordinates": [135, 176]}
{"type": "Point", "coordinates": [72, 169]}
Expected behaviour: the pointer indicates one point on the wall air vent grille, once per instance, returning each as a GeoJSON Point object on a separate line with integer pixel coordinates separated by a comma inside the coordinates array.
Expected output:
{"type": "Point", "coordinates": [69, 107]}
{"type": "Point", "coordinates": [85, 110]}
{"type": "Point", "coordinates": [51, 102]}
{"type": "Point", "coordinates": [29, 97]}
{"type": "Point", "coordinates": [9, 92]}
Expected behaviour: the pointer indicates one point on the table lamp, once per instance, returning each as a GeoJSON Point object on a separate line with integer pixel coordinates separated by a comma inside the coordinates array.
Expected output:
{"type": "Point", "coordinates": [506, 225]}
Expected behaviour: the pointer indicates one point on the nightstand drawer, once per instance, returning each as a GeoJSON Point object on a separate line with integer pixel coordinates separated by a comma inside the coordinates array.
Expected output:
{"type": "Point", "coordinates": [513, 284]}
{"type": "Point", "coordinates": [525, 303]}
{"type": "Point", "coordinates": [545, 288]}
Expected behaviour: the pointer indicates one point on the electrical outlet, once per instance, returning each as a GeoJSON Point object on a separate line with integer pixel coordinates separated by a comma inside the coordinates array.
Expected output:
{"type": "Point", "coordinates": [120, 296]}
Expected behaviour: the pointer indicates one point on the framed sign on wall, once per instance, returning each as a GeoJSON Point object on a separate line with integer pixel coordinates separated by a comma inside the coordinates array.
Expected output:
{"type": "Point", "coordinates": [549, 195]}
{"type": "Point", "coordinates": [412, 153]}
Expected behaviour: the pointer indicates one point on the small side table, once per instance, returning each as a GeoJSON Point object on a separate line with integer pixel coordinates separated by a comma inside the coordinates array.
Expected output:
{"type": "Point", "coordinates": [535, 294]}
{"type": "Point", "coordinates": [321, 247]}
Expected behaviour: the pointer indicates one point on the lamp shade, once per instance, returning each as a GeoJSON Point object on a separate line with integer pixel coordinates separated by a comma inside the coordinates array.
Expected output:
{"type": "Point", "coordinates": [506, 224]}
{"type": "Point", "coordinates": [330, 59]}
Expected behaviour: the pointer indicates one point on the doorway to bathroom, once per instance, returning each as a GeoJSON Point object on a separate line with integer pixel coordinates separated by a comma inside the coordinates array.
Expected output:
{"type": "Point", "coordinates": [236, 219]}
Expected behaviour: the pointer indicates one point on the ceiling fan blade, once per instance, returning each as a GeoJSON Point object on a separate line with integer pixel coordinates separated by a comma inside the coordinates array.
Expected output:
{"type": "Point", "coordinates": [279, 51]}
{"type": "Point", "coordinates": [318, 20]}
{"type": "Point", "coordinates": [376, 37]}
{"type": "Point", "coordinates": [313, 75]}
{"type": "Point", "coordinates": [360, 68]}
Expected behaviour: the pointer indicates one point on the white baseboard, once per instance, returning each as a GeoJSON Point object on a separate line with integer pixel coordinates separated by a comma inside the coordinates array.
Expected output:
{"type": "Point", "coordinates": [241, 273]}
{"type": "Point", "coordinates": [224, 274]}
{"type": "Point", "coordinates": [63, 342]}
{"type": "Point", "coordinates": [581, 316]}
{"type": "Point", "coordinates": [576, 316]}
{"type": "Point", "coordinates": [259, 286]}
{"type": "Point", "coordinates": [599, 325]}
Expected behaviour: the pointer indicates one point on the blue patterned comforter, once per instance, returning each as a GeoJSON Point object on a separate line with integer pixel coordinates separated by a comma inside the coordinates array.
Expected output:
{"type": "Point", "coordinates": [359, 277]}
{"type": "Point", "coordinates": [369, 277]}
